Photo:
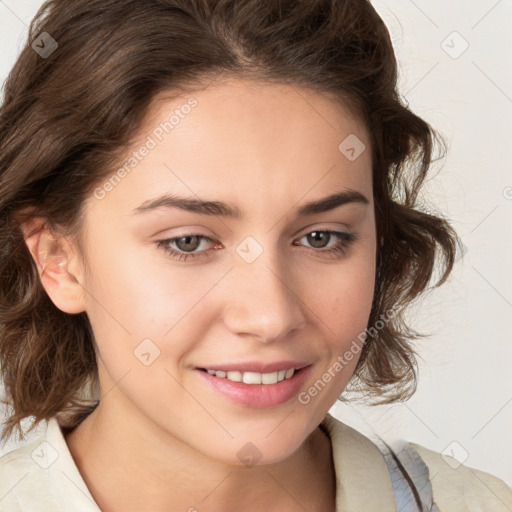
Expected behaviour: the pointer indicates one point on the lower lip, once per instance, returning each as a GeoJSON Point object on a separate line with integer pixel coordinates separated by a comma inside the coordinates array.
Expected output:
{"type": "Point", "coordinates": [258, 395]}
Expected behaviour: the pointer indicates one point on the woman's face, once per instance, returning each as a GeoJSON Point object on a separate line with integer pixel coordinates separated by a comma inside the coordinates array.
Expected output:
{"type": "Point", "coordinates": [173, 291]}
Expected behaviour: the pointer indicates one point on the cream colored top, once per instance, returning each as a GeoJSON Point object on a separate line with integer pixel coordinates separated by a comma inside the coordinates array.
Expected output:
{"type": "Point", "coordinates": [43, 477]}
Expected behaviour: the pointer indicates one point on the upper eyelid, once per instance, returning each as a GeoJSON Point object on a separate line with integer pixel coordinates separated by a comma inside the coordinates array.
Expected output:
{"type": "Point", "coordinates": [300, 233]}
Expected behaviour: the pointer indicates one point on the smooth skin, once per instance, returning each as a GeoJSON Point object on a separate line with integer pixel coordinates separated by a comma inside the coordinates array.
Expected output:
{"type": "Point", "coordinates": [161, 439]}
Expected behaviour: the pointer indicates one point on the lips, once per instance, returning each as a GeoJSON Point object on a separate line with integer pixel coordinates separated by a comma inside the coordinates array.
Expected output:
{"type": "Point", "coordinates": [249, 390]}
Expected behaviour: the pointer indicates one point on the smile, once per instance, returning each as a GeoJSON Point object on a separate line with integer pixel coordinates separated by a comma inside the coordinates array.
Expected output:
{"type": "Point", "coordinates": [256, 389]}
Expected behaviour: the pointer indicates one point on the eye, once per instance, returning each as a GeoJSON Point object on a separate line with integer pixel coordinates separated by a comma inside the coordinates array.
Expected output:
{"type": "Point", "coordinates": [318, 238]}
{"type": "Point", "coordinates": [187, 246]}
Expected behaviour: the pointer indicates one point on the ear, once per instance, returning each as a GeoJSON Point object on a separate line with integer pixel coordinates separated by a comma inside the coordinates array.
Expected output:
{"type": "Point", "coordinates": [59, 268]}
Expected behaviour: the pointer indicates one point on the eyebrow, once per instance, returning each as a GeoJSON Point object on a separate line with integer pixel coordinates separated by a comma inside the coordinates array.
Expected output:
{"type": "Point", "coordinates": [230, 210]}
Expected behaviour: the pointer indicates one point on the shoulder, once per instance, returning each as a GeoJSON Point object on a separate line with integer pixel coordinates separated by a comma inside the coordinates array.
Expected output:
{"type": "Point", "coordinates": [42, 477]}
{"type": "Point", "coordinates": [441, 482]}
{"type": "Point", "coordinates": [23, 477]}
{"type": "Point", "coordinates": [459, 487]}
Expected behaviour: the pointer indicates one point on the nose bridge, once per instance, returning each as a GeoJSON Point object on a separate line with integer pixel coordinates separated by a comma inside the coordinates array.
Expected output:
{"type": "Point", "coordinates": [262, 301]}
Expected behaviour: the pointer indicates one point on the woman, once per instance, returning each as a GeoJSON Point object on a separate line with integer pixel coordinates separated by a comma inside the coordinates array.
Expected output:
{"type": "Point", "coordinates": [210, 231]}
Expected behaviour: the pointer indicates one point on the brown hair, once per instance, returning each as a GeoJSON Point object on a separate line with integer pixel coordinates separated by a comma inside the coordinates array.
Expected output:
{"type": "Point", "coordinates": [67, 116]}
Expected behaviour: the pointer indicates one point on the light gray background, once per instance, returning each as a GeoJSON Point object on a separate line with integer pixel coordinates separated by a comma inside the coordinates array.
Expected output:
{"type": "Point", "coordinates": [463, 405]}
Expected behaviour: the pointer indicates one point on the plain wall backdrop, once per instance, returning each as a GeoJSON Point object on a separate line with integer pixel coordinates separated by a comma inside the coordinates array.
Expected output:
{"type": "Point", "coordinates": [455, 73]}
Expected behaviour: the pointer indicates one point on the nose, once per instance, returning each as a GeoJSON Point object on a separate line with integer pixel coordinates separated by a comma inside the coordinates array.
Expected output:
{"type": "Point", "coordinates": [263, 300]}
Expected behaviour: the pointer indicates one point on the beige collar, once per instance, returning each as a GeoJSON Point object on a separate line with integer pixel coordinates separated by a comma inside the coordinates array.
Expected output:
{"type": "Point", "coordinates": [363, 483]}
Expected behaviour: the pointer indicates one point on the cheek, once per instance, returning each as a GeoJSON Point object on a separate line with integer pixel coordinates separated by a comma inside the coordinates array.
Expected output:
{"type": "Point", "coordinates": [138, 296]}
{"type": "Point", "coordinates": [343, 298]}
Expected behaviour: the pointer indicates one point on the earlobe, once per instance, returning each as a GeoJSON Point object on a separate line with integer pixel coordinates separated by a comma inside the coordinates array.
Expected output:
{"type": "Point", "coordinates": [52, 256]}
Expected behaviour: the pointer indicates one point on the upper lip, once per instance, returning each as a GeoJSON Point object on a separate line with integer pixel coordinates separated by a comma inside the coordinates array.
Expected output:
{"type": "Point", "coordinates": [257, 366]}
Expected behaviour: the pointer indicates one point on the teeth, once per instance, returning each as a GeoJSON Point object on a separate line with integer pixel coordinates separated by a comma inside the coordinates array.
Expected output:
{"type": "Point", "coordinates": [251, 378]}
{"type": "Point", "coordinates": [254, 377]}
{"type": "Point", "coordinates": [234, 376]}
{"type": "Point", "coordinates": [269, 378]}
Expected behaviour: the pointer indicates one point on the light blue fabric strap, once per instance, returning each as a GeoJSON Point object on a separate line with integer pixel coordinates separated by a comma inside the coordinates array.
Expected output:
{"type": "Point", "coordinates": [408, 471]}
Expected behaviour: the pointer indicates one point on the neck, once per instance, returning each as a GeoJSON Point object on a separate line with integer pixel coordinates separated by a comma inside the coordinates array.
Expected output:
{"type": "Point", "coordinates": [134, 466]}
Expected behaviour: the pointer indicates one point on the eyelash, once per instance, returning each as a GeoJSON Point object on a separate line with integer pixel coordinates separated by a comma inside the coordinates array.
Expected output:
{"type": "Point", "coordinates": [345, 241]}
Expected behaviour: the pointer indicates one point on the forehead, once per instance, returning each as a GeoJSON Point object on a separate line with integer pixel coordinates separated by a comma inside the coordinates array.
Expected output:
{"type": "Point", "coordinates": [246, 141]}
{"type": "Point", "coordinates": [261, 108]}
